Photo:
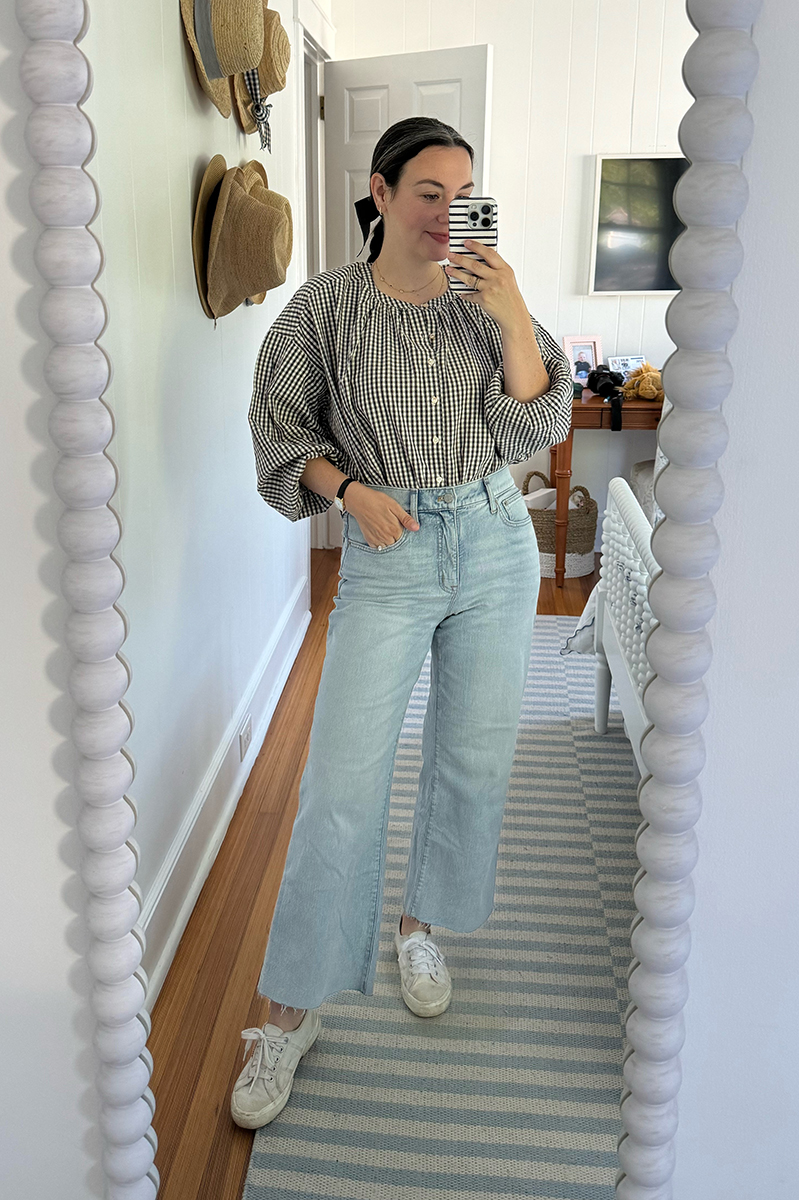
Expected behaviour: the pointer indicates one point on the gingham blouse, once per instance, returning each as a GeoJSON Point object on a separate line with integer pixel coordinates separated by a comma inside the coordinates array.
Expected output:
{"type": "Point", "coordinates": [393, 393]}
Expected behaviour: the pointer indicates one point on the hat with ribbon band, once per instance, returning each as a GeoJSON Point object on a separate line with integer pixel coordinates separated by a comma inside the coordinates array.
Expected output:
{"type": "Point", "coordinates": [251, 88]}
{"type": "Point", "coordinates": [226, 37]}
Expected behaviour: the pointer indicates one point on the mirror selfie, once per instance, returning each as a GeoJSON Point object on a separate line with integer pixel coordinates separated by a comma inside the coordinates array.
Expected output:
{"type": "Point", "coordinates": [381, 316]}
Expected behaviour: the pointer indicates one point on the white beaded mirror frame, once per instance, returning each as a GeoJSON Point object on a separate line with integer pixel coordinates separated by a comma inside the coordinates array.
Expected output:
{"type": "Point", "coordinates": [712, 194]}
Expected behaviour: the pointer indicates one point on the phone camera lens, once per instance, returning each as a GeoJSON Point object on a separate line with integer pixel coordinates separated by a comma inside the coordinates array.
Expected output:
{"type": "Point", "coordinates": [486, 208]}
{"type": "Point", "coordinates": [485, 222]}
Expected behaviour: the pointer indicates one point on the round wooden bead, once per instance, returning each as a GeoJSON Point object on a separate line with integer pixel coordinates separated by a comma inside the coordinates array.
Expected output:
{"type": "Point", "coordinates": [105, 828]}
{"type": "Point", "coordinates": [711, 193]}
{"type": "Point", "coordinates": [59, 135]}
{"type": "Point", "coordinates": [684, 605]}
{"type": "Point", "coordinates": [697, 379]}
{"type": "Point", "coordinates": [687, 494]}
{"type": "Point", "coordinates": [122, 1084]}
{"type": "Point", "coordinates": [73, 315]}
{"type": "Point", "coordinates": [94, 637]}
{"type": "Point", "coordinates": [91, 586]}
{"type": "Point", "coordinates": [98, 735]}
{"type": "Point", "coordinates": [686, 550]}
{"type": "Point", "coordinates": [64, 20]}
{"type": "Point", "coordinates": [702, 320]}
{"type": "Point", "coordinates": [706, 257]}
{"type": "Point", "coordinates": [108, 874]}
{"type": "Point", "coordinates": [127, 1164]}
{"type": "Point", "coordinates": [67, 257]}
{"type": "Point", "coordinates": [102, 781]}
{"type": "Point", "coordinates": [125, 1125]}
{"type": "Point", "coordinates": [85, 482]}
{"type": "Point", "coordinates": [116, 1003]}
{"type": "Point", "coordinates": [63, 196]}
{"type": "Point", "coordinates": [693, 439]}
{"type": "Point", "coordinates": [120, 1043]}
{"type": "Point", "coordinates": [648, 1165]}
{"type": "Point", "coordinates": [96, 686]}
{"type": "Point", "coordinates": [54, 72]}
{"type": "Point", "coordinates": [111, 917]}
{"type": "Point", "coordinates": [89, 533]}
{"type": "Point", "coordinates": [716, 129]}
{"type": "Point", "coordinates": [80, 428]}
{"type": "Point", "coordinates": [77, 373]}
{"type": "Point", "coordinates": [721, 62]}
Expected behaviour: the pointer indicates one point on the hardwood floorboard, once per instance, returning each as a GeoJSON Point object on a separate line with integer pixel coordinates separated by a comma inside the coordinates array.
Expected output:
{"type": "Point", "coordinates": [209, 994]}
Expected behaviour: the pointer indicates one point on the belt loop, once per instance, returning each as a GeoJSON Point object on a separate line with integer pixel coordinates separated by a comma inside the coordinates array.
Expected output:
{"type": "Point", "coordinates": [492, 504]}
{"type": "Point", "coordinates": [414, 505]}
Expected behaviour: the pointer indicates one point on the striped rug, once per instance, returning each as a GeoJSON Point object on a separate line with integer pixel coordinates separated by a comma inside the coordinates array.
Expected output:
{"type": "Point", "coordinates": [513, 1092]}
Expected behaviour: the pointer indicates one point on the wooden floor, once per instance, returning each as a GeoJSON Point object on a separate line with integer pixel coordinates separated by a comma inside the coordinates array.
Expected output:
{"type": "Point", "coordinates": [209, 994]}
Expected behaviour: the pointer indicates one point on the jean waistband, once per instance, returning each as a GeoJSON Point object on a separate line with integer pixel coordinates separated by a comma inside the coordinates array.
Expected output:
{"type": "Point", "coordinates": [459, 495]}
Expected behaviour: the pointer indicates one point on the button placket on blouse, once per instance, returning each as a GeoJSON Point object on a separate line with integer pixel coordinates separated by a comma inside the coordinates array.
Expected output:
{"type": "Point", "coordinates": [435, 401]}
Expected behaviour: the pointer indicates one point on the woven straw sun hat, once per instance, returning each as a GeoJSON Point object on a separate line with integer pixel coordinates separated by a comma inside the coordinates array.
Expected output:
{"type": "Point", "coordinates": [257, 183]}
{"type": "Point", "coordinates": [226, 37]}
{"type": "Point", "coordinates": [250, 244]}
{"type": "Point", "coordinates": [204, 211]}
{"type": "Point", "coordinates": [272, 68]}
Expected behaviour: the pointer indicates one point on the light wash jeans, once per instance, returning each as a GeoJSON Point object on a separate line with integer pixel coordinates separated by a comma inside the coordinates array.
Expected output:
{"type": "Point", "coordinates": [465, 586]}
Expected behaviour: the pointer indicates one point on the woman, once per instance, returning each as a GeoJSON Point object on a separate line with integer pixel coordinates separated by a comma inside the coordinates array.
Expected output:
{"type": "Point", "coordinates": [380, 387]}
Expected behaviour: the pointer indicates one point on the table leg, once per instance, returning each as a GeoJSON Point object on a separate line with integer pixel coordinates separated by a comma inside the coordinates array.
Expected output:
{"type": "Point", "coordinates": [563, 473]}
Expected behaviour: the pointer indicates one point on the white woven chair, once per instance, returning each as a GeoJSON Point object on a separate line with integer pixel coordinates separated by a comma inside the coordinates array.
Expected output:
{"type": "Point", "coordinates": [623, 615]}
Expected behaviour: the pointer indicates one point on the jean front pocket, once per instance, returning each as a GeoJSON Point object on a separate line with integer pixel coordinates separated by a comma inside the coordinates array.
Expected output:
{"type": "Point", "coordinates": [353, 536]}
{"type": "Point", "coordinates": [512, 508]}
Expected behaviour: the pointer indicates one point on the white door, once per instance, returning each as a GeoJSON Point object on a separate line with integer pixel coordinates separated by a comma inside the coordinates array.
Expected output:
{"type": "Point", "coordinates": [363, 96]}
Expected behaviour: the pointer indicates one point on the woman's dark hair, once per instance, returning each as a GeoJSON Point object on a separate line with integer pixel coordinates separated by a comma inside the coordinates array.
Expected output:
{"type": "Point", "coordinates": [401, 142]}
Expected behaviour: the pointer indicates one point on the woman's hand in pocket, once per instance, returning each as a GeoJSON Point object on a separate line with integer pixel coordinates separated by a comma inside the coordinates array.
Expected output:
{"type": "Point", "coordinates": [380, 517]}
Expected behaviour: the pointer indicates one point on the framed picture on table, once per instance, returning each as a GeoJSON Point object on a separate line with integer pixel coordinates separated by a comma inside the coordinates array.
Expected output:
{"type": "Point", "coordinates": [584, 352]}
{"type": "Point", "coordinates": [626, 364]}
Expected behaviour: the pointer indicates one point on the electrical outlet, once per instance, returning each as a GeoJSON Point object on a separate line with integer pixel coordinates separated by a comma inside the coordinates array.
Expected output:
{"type": "Point", "coordinates": [245, 737]}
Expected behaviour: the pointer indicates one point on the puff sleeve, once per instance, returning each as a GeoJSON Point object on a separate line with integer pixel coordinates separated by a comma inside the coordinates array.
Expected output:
{"type": "Point", "coordinates": [519, 430]}
{"type": "Point", "coordinates": [288, 412]}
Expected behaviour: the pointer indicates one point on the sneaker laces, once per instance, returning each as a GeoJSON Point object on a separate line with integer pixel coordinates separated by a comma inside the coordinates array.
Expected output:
{"type": "Point", "coordinates": [424, 957]}
{"type": "Point", "coordinates": [268, 1048]}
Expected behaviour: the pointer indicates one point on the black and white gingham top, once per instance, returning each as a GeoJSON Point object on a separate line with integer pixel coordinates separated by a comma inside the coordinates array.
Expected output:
{"type": "Point", "coordinates": [393, 393]}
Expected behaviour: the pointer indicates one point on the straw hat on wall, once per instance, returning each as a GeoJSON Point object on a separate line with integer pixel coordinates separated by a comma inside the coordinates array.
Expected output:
{"type": "Point", "coordinates": [225, 39]}
{"type": "Point", "coordinates": [242, 237]}
{"type": "Point", "coordinates": [269, 77]}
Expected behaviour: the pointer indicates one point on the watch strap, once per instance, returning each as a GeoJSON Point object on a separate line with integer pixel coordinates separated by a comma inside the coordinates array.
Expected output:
{"type": "Point", "coordinates": [344, 485]}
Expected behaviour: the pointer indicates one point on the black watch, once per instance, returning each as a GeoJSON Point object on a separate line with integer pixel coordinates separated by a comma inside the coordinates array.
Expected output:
{"type": "Point", "coordinates": [339, 500]}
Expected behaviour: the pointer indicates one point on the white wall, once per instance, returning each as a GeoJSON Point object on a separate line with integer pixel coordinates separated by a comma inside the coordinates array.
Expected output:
{"type": "Point", "coordinates": [572, 78]}
{"type": "Point", "coordinates": [739, 1104]}
{"type": "Point", "coordinates": [216, 581]}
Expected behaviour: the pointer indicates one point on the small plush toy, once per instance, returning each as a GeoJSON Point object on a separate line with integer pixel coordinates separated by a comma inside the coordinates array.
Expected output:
{"type": "Point", "coordinates": [644, 383]}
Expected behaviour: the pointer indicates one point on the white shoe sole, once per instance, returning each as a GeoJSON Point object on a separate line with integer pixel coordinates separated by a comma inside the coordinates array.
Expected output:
{"type": "Point", "coordinates": [431, 1008]}
{"type": "Point", "coordinates": [256, 1120]}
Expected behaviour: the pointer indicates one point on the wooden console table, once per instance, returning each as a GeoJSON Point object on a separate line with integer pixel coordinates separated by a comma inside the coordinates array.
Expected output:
{"type": "Point", "coordinates": [590, 412]}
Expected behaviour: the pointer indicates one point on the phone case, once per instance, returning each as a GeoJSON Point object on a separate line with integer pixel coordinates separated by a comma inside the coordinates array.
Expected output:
{"type": "Point", "coordinates": [471, 217]}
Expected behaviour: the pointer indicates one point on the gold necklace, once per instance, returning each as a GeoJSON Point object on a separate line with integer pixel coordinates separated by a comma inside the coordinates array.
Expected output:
{"type": "Point", "coordinates": [405, 291]}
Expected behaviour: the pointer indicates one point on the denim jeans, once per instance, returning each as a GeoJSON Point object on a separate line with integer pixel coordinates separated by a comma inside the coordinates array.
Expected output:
{"type": "Point", "coordinates": [463, 586]}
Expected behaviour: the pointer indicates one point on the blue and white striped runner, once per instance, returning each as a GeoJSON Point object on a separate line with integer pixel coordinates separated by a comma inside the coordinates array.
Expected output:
{"type": "Point", "coordinates": [513, 1092]}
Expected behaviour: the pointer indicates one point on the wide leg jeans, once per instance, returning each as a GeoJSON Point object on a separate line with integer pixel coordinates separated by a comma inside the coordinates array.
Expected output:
{"type": "Point", "coordinates": [463, 586]}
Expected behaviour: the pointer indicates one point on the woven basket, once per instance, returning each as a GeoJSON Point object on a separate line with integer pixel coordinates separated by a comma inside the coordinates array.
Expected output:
{"type": "Point", "coordinates": [580, 533]}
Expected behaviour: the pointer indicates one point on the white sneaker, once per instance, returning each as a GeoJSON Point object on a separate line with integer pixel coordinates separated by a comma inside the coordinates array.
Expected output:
{"type": "Point", "coordinates": [424, 979]}
{"type": "Point", "coordinates": [264, 1086]}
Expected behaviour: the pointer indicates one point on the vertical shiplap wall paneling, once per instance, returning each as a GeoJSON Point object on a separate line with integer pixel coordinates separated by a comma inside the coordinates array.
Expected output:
{"type": "Point", "coordinates": [546, 209]}
{"type": "Point", "coordinates": [509, 150]}
{"type": "Point", "coordinates": [572, 78]}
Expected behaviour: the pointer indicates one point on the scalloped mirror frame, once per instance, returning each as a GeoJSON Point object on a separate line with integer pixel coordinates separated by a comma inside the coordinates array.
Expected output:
{"type": "Point", "coordinates": [718, 69]}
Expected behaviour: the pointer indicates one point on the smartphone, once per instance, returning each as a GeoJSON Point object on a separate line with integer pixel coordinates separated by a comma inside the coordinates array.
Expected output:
{"type": "Point", "coordinates": [471, 217]}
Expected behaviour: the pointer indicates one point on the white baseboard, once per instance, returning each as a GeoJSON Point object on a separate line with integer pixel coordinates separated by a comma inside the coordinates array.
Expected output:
{"type": "Point", "coordinates": [171, 899]}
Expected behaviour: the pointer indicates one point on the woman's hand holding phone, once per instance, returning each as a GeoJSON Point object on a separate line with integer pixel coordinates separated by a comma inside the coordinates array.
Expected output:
{"type": "Point", "coordinates": [380, 517]}
{"type": "Point", "coordinates": [497, 291]}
